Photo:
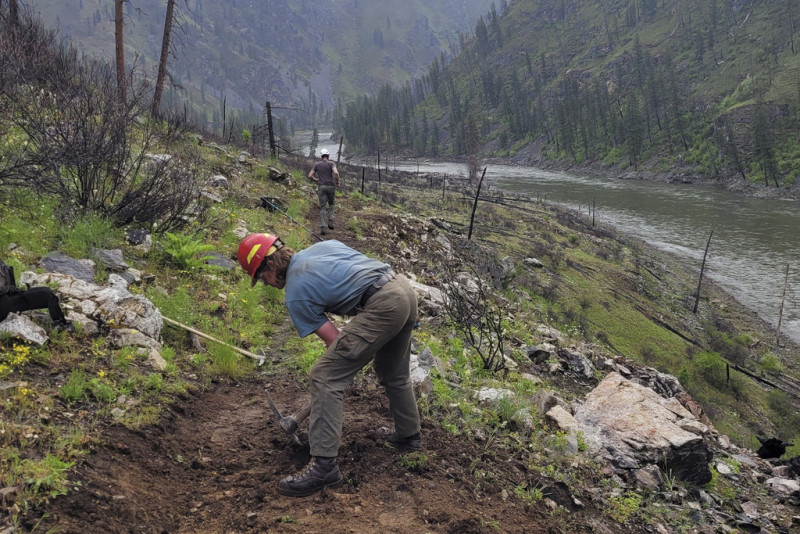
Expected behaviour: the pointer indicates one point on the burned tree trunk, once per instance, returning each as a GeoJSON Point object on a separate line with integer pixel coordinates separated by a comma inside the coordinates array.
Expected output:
{"type": "Point", "coordinates": [162, 64]}
{"type": "Point", "coordinates": [702, 269]}
{"type": "Point", "coordinates": [13, 12]}
{"type": "Point", "coordinates": [120, 49]}
{"type": "Point", "coordinates": [780, 314]}
{"type": "Point", "coordinates": [475, 205]}
{"type": "Point", "coordinates": [273, 152]}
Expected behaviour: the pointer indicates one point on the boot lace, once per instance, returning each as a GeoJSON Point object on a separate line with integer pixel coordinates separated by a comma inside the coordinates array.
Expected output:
{"type": "Point", "coordinates": [306, 470]}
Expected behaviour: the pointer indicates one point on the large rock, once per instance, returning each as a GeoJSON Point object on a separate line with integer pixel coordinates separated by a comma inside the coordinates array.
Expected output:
{"type": "Point", "coordinates": [432, 299]}
{"type": "Point", "coordinates": [420, 368]}
{"type": "Point", "coordinates": [577, 362]}
{"type": "Point", "coordinates": [784, 487]}
{"type": "Point", "coordinates": [113, 259]}
{"type": "Point", "coordinates": [218, 260]}
{"type": "Point", "coordinates": [20, 327]}
{"type": "Point", "coordinates": [493, 394]}
{"type": "Point", "coordinates": [220, 181]}
{"type": "Point", "coordinates": [276, 175]}
{"type": "Point", "coordinates": [631, 426]}
{"type": "Point", "coordinates": [132, 319]}
{"type": "Point", "coordinates": [58, 262]}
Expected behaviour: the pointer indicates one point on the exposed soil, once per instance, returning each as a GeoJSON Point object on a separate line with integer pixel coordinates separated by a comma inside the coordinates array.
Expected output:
{"type": "Point", "coordinates": [214, 462]}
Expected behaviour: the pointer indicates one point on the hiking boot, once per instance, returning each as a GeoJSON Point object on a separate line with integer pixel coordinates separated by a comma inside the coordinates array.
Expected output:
{"type": "Point", "coordinates": [330, 225]}
{"type": "Point", "coordinates": [320, 473]}
{"type": "Point", "coordinates": [411, 443]}
{"type": "Point", "coordinates": [322, 230]}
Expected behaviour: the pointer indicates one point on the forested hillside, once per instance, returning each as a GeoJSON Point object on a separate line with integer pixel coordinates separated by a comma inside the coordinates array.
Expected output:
{"type": "Point", "coordinates": [298, 54]}
{"type": "Point", "coordinates": [707, 87]}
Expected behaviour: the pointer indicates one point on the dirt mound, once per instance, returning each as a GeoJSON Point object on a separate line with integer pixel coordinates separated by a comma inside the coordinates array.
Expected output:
{"type": "Point", "coordinates": [213, 464]}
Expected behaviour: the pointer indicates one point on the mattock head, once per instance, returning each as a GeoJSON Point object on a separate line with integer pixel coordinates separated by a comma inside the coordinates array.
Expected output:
{"type": "Point", "coordinates": [287, 422]}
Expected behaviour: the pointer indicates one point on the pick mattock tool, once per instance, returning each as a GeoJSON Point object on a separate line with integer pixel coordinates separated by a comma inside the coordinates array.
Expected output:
{"type": "Point", "coordinates": [290, 423]}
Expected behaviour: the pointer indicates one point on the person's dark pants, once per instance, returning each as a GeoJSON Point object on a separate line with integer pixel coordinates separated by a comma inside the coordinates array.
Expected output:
{"type": "Point", "coordinates": [326, 195]}
{"type": "Point", "coordinates": [34, 298]}
{"type": "Point", "coordinates": [381, 334]}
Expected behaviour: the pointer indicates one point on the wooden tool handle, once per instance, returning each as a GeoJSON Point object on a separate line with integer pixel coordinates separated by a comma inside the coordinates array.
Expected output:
{"type": "Point", "coordinates": [206, 336]}
{"type": "Point", "coordinates": [303, 414]}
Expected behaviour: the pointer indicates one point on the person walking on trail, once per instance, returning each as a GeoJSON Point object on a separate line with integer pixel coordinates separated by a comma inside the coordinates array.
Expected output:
{"type": "Point", "coordinates": [330, 277]}
{"type": "Point", "coordinates": [326, 175]}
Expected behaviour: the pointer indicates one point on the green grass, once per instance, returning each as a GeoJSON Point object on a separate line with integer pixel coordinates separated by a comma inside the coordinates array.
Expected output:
{"type": "Point", "coordinates": [529, 494]}
{"type": "Point", "coordinates": [75, 388]}
{"type": "Point", "coordinates": [622, 508]}
{"type": "Point", "coordinates": [28, 222]}
{"type": "Point", "coordinates": [87, 232]}
{"type": "Point", "coordinates": [306, 351]}
{"type": "Point", "coordinates": [413, 461]}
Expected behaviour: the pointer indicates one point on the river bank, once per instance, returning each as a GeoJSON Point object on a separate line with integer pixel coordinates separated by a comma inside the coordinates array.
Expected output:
{"type": "Point", "coordinates": [647, 172]}
{"type": "Point", "coordinates": [531, 156]}
{"type": "Point", "coordinates": [618, 291]}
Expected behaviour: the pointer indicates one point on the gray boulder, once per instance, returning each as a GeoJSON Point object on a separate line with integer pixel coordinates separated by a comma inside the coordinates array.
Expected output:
{"type": "Point", "coordinates": [420, 368]}
{"type": "Point", "coordinates": [113, 259]}
{"type": "Point", "coordinates": [58, 262]}
{"type": "Point", "coordinates": [20, 327]}
{"type": "Point", "coordinates": [132, 320]}
{"type": "Point", "coordinates": [277, 176]}
{"type": "Point", "coordinates": [577, 362]}
{"type": "Point", "coordinates": [541, 353]}
{"type": "Point", "coordinates": [784, 487]}
{"type": "Point", "coordinates": [493, 394]}
{"type": "Point", "coordinates": [631, 426]}
{"type": "Point", "coordinates": [432, 299]}
{"type": "Point", "coordinates": [219, 181]}
{"type": "Point", "coordinates": [218, 260]}
{"type": "Point", "coordinates": [137, 236]}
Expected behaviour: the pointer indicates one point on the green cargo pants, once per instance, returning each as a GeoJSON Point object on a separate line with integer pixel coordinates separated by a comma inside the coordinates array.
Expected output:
{"type": "Point", "coordinates": [381, 332]}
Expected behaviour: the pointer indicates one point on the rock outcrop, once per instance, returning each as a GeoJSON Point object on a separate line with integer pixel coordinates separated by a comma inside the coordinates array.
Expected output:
{"type": "Point", "coordinates": [632, 426]}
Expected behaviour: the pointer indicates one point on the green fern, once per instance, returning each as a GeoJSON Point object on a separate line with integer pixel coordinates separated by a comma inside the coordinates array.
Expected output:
{"type": "Point", "coordinates": [185, 251]}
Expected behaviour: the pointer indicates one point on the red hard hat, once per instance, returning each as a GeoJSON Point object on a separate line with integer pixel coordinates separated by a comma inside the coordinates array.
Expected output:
{"type": "Point", "coordinates": [252, 251]}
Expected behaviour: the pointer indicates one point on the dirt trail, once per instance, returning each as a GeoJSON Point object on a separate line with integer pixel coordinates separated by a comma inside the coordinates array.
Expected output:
{"type": "Point", "coordinates": [213, 464]}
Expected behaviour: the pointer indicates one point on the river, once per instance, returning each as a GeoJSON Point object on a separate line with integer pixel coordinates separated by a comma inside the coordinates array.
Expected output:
{"type": "Point", "coordinates": [753, 242]}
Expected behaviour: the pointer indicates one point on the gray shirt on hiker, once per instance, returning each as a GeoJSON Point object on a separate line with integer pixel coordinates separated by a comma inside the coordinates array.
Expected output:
{"type": "Point", "coordinates": [325, 170]}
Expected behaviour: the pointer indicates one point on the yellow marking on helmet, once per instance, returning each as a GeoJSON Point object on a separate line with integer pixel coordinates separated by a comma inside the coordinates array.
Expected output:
{"type": "Point", "coordinates": [253, 253]}
{"type": "Point", "coordinates": [271, 251]}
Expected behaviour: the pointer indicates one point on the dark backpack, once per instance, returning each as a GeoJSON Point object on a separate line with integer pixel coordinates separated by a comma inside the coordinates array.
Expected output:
{"type": "Point", "coordinates": [7, 282]}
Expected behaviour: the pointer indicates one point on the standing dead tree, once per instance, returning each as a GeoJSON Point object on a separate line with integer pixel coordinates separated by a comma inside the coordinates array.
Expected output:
{"type": "Point", "coordinates": [119, 14]}
{"type": "Point", "coordinates": [702, 269]}
{"type": "Point", "coordinates": [475, 205]}
{"type": "Point", "coordinates": [13, 12]}
{"type": "Point", "coordinates": [780, 314]}
{"type": "Point", "coordinates": [162, 63]}
{"type": "Point", "coordinates": [273, 152]}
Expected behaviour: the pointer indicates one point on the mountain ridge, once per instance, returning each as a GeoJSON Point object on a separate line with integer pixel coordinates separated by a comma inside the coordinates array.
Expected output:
{"type": "Point", "coordinates": [294, 54]}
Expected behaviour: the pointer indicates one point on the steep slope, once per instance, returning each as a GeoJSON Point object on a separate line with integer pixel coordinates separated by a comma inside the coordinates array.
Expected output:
{"type": "Point", "coordinates": [694, 87]}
